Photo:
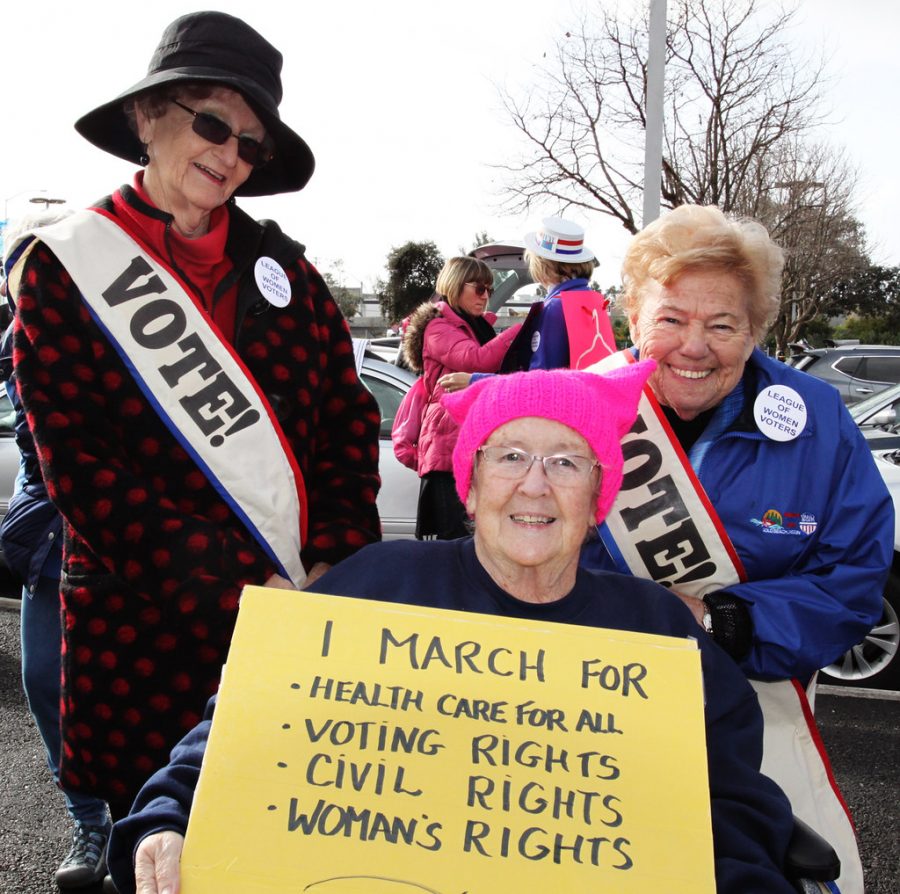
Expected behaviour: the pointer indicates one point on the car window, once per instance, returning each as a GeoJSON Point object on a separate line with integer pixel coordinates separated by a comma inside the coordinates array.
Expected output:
{"type": "Point", "coordinates": [506, 285]}
{"type": "Point", "coordinates": [510, 271]}
{"type": "Point", "coordinates": [880, 369]}
{"type": "Point", "coordinates": [847, 365]}
{"type": "Point", "coordinates": [801, 361]}
{"type": "Point", "coordinates": [893, 407]}
{"type": "Point", "coordinates": [7, 413]}
{"type": "Point", "coordinates": [887, 415]}
{"type": "Point", "coordinates": [388, 396]}
{"type": "Point", "coordinates": [887, 399]}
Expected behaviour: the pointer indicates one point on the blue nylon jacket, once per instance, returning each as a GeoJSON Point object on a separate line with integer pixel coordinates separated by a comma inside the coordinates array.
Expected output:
{"type": "Point", "coordinates": [813, 592]}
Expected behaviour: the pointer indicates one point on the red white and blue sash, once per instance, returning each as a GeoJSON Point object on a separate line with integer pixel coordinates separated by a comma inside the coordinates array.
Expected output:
{"type": "Point", "coordinates": [191, 377]}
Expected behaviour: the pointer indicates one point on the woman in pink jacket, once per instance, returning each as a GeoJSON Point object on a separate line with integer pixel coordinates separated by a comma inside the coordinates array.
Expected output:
{"type": "Point", "coordinates": [453, 334]}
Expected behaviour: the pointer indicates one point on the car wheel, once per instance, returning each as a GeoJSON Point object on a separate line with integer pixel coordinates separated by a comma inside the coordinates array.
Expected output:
{"type": "Point", "coordinates": [874, 662]}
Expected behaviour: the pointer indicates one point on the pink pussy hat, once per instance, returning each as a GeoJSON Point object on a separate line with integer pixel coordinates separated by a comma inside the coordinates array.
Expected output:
{"type": "Point", "coordinates": [600, 408]}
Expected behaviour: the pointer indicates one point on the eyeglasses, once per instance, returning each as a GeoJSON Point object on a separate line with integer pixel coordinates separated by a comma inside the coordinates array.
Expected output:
{"type": "Point", "coordinates": [481, 288]}
{"type": "Point", "coordinates": [562, 469]}
{"type": "Point", "coordinates": [215, 130]}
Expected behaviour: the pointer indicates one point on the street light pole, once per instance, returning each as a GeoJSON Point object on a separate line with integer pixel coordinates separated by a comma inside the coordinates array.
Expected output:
{"type": "Point", "coordinates": [46, 202]}
{"type": "Point", "coordinates": [656, 66]}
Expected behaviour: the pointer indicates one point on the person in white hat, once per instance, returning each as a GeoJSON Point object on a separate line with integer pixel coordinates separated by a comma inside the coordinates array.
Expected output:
{"type": "Point", "coordinates": [570, 329]}
{"type": "Point", "coordinates": [559, 261]}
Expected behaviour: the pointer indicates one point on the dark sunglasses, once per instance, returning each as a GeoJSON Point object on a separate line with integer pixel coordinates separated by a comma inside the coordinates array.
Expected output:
{"type": "Point", "coordinates": [215, 130]}
{"type": "Point", "coordinates": [480, 288]}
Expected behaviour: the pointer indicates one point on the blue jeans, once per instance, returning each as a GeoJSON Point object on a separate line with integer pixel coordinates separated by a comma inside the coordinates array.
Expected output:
{"type": "Point", "coordinates": [41, 660]}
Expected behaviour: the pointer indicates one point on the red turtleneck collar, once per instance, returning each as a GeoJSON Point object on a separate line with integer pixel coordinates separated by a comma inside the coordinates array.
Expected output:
{"type": "Point", "coordinates": [201, 262]}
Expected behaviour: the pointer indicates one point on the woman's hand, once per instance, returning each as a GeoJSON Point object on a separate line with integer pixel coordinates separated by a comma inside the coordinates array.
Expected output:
{"type": "Point", "coordinates": [454, 381]}
{"type": "Point", "coordinates": [279, 583]}
{"type": "Point", "coordinates": [157, 864]}
{"type": "Point", "coordinates": [316, 572]}
{"type": "Point", "coordinates": [697, 606]}
{"type": "Point", "coordinates": [282, 583]}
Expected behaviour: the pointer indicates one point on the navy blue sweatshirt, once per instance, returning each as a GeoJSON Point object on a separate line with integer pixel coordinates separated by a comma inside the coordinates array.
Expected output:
{"type": "Point", "coordinates": [751, 817]}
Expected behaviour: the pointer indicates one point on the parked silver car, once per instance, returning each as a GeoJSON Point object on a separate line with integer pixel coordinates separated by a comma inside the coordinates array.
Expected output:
{"type": "Point", "coordinates": [857, 371]}
{"type": "Point", "coordinates": [399, 495]}
{"type": "Point", "coordinates": [874, 662]}
{"type": "Point", "coordinates": [9, 455]}
{"type": "Point", "coordinates": [878, 418]}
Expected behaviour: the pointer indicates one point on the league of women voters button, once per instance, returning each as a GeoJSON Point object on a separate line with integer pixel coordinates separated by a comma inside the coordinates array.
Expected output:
{"type": "Point", "coordinates": [780, 413]}
{"type": "Point", "coordinates": [272, 282]}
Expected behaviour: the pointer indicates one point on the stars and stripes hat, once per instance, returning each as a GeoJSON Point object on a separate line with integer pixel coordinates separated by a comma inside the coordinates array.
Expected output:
{"type": "Point", "coordinates": [559, 240]}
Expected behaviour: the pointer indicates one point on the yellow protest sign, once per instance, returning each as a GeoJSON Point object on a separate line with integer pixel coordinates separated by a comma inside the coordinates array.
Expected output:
{"type": "Point", "coordinates": [389, 749]}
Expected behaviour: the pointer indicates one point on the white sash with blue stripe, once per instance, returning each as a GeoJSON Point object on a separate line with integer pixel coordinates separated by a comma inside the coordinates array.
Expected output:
{"type": "Point", "coordinates": [191, 377]}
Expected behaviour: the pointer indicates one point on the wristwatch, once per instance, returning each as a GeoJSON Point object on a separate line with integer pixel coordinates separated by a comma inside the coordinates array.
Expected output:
{"type": "Point", "coordinates": [707, 620]}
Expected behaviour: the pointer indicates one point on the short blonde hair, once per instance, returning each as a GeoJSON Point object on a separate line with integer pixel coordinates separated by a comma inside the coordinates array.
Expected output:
{"type": "Point", "coordinates": [544, 270]}
{"type": "Point", "coordinates": [456, 273]}
{"type": "Point", "coordinates": [701, 237]}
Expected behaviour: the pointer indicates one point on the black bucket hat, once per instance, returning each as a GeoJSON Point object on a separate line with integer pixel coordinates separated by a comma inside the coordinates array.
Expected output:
{"type": "Point", "coordinates": [214, 48]}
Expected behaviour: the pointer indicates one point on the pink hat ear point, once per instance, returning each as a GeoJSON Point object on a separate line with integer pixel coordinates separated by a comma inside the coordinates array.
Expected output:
{"type": "Point", "coordinates": [599, 407]}
{"type": "Point", "coordinates": [458, 403]}
{"type": "Point", "coordinates": [633, 375]}
{"type": "Point", "coordinates": [626, 382]}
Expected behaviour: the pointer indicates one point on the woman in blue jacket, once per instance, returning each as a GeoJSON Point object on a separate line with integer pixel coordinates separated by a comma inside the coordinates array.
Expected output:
{"type": "Point", "coordinates": [783, 483]}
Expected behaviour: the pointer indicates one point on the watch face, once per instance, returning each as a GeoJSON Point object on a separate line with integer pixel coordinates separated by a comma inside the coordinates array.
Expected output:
{"type": "Point", "coordinates": [707, 622]}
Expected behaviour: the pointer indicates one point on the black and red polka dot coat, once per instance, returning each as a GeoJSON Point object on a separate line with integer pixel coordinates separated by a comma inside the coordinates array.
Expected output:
{"type": "Point", "coordinates": [153, 559]}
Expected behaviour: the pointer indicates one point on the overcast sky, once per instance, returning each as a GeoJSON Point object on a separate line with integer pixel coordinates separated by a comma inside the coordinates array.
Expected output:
{"type": "Point", "coordinates": [398, 100]}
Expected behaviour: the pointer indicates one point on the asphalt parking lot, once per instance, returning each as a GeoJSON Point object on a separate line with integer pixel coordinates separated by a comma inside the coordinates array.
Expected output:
{"type": "Point", "coordinates": [861, 734]}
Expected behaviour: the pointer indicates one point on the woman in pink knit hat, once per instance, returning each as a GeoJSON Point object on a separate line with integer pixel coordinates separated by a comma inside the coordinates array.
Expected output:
{"type": "Point", "coordinates": [537, 463]}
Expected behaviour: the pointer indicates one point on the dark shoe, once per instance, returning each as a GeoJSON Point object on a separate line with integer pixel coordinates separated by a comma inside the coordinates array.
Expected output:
{"type": "Point", "coordinates": [86, 862]}
{"type": "Point", "coordinates": [109, 886]}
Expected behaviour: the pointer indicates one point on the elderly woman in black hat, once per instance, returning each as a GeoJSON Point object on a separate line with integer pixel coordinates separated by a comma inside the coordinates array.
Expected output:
{"type": "Point", "coordinates": [191, 388]}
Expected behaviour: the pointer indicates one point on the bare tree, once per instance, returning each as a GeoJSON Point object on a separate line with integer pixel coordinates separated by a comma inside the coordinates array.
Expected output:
{"type": "Point", "coordinates": [734, 91]}
{"type": "Point", "coordinates": [740, 106]}
{"type": "Point", "coordinates": [806, 202]}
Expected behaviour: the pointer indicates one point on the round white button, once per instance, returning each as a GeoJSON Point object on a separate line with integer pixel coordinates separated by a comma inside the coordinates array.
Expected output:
{"type": "Point", "coordinates": [780, 413]}
{"type": "Point", "coordinates": [272, 282]}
